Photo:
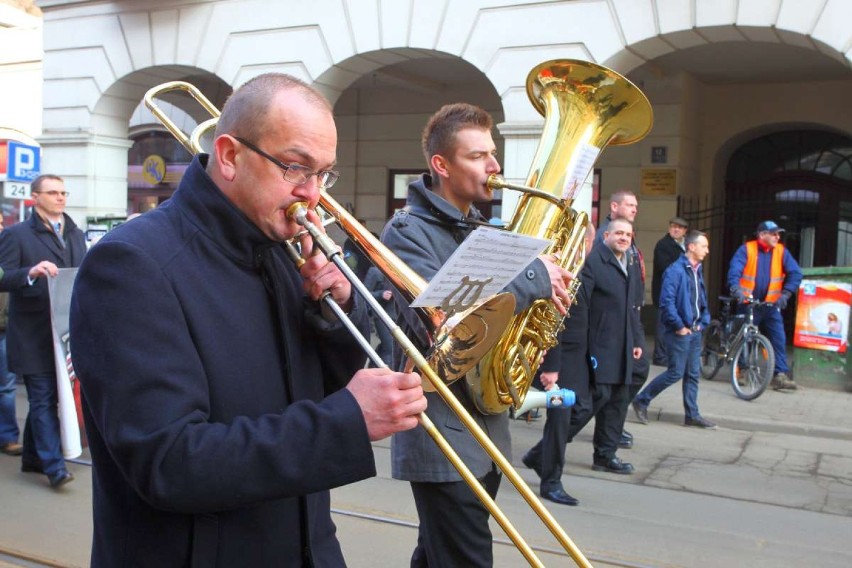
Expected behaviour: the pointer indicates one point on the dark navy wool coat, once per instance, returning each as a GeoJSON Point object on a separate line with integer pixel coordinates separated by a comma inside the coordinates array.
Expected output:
{"type": "Point", "coordinates": [212, 393]}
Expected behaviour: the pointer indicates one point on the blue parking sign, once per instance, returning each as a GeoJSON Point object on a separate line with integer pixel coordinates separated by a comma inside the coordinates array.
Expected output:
{"type": "Point", "coordinates": [24, 164]}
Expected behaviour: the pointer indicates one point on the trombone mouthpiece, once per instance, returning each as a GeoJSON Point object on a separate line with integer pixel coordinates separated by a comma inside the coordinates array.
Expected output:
{"type": "Point", "coordinates": [298, 212]}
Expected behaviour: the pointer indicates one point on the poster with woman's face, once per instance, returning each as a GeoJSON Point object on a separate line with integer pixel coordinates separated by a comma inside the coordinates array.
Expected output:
{"type": "Point", "coordinates": [822, 316]}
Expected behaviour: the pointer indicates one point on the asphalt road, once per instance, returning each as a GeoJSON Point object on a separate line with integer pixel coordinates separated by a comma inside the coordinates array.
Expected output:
{"type": "Point", "coordinates": [771, 487]}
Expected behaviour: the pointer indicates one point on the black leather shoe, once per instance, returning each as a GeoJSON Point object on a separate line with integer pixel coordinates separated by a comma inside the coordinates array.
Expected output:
{"type": "Point", "coordinates": [613, 465]}
{"type": "Point", "coordinates": [61, 478]}
{"type": "Point", "coordinates": [559, 496]}
{"type": "Point", "coordinates": [626, 440]}
{"type": "Point", "coordinates": [29, 467]}
{"type": "Point", "coordinates": [536, 467]}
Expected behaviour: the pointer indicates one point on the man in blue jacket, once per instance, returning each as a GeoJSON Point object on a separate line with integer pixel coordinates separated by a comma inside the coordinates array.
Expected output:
{"type": "Point", "coordinates": [765, 270]}
{"type": "Point", "coordinates": [220, 400]}
{"type": "Point", "coordinates": [683, 300]}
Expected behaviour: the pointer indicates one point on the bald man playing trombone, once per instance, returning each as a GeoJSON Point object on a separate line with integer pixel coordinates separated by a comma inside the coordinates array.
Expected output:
{"type": "Point", "coordinates": [222, 405]}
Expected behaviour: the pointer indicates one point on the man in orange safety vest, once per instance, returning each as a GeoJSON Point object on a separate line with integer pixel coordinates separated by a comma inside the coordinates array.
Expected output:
{"type": "Point", "coordinates": [763, 269]}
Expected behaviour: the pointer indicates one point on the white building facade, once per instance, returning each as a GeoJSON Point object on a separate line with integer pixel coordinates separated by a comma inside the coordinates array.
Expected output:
{"type": "Point", "coordinates": [729, 80]}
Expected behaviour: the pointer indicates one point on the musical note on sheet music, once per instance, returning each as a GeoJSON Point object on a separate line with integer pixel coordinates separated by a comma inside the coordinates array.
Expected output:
{"type": "Point", "coordinates": [489, 257]}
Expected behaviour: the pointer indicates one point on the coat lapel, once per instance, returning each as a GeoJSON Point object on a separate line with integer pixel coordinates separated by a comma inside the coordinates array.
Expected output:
{"type": "Point", "coordinates": [49, 239]}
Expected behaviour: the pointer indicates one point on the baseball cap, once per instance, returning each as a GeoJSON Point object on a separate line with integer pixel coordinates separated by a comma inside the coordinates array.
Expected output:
{"type": "Point", "coordinates": [770, 226]}
{"type": "Point", "coordinates": [679, 221]}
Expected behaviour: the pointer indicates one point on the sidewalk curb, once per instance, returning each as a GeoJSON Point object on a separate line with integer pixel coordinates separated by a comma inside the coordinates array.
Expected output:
{"type": "Point", "coordinates": [757, 425]}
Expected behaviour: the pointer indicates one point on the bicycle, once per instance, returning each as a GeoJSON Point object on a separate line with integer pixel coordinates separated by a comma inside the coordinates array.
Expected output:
{"type": "Point", "coordinates": [735, 339]}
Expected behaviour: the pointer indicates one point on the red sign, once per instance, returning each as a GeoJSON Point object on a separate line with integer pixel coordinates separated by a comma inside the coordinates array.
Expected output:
{"type": "Point", "coordinates": [822, 316]}
{"type": "Point", "coordinates": [4, 157]}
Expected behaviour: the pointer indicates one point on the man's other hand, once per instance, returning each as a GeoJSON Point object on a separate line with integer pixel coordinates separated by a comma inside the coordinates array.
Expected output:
{"type": "Point", "coordinates": [784, 299]}
{"type": "Point", "coordinates": [560, 279]}
{"type": "Point", "coordinates": [389, 401]}
{"type": "Point", "coordinates": [43, 268]}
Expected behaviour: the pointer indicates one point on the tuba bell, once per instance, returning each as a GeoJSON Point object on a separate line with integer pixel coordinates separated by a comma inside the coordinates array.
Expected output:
{"type": "Point", "coordinates": [586, 107]}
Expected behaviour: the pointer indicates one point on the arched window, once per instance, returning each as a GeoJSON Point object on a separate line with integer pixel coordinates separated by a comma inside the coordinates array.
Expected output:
{"type": "Point", "coordinates": [802, 179]}
{"type": "Point", "coordinates": [798, 151]}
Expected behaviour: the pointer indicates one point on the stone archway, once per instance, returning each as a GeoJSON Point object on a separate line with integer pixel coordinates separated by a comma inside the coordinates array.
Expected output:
{"type": "Point", "coordinates": [381, 114]}
{"type": "Point", "coordinates": [802, 179]}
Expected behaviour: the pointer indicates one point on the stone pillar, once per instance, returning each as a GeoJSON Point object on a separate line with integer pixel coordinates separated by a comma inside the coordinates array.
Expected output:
{"type": "Point", "coordinates": [521, 140]}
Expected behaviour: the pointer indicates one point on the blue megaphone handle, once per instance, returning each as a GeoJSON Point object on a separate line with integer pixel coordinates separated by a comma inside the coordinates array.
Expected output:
{"type": "Point", "coordinates": [560, 398]}
{"type": "Point", "coordinates": [594, 363]}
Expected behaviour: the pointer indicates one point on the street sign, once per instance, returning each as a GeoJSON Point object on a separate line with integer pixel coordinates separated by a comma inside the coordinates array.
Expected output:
{"type": "Point", "coordinates": [16, 190]}
{"type": "Point", "coordinates": [24, 163]}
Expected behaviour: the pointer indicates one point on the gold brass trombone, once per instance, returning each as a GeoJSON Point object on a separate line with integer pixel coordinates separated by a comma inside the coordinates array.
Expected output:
{"type": "Point", "coordinates": [489, 321]}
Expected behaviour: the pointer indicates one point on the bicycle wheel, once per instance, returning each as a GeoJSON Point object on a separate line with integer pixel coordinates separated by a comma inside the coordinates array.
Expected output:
{"type": "Point", "coordinates": [711, 350]}
{"type": "Point", "coordinates": [752, 367]}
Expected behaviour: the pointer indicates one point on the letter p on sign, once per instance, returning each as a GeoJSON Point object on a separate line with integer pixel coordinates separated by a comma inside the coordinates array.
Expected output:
{"type": "Point", "coordinates": [24, 162]}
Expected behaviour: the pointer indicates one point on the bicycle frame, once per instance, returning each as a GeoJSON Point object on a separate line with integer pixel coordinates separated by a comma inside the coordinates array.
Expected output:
{"type": "Point", "coordinates": [747, 330]}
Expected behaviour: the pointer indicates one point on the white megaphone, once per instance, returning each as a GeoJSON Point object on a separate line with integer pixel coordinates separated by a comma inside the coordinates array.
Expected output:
{"type": "Point", "coordinates": [556, 398]}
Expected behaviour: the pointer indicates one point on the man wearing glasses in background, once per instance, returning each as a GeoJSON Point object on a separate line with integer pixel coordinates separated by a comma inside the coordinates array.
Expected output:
{"type": "Point", "coordinates": [30, 253]}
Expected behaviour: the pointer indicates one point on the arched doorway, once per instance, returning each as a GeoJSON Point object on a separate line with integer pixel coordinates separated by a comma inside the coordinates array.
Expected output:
{"type": "Point", "coordinates": [802, 179]}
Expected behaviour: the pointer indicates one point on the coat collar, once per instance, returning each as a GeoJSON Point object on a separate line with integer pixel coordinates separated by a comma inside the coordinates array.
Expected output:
{"type": "Point", "coordinates": [216, 216]}
{"type": "Point", "coordinates": [608, 257]}
{"type": "Point", "coordinates": [47, 235]}
{"type": "Point", "coordinates": [420, 195]}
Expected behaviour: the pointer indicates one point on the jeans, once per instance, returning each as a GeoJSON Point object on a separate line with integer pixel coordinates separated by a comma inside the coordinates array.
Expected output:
{"type": "Point", "coordinates": [8, 421]}
{"type": "Point", "coordinates": [771, 324]}
{"type": "Point", "coordinates": [684, 353]}
{"type": "Point", "coordinates": [660, 356]}
{"type": "Point", "coordinates": [42, 445]}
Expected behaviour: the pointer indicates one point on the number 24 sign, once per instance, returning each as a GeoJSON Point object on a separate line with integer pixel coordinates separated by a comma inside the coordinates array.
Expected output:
{"type": "Point", "coordinates": [16, 190]}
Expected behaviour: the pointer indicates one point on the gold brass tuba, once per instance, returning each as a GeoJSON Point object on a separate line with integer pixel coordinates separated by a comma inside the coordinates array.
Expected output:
{"type": "Point", "coordinates": [586, 107]}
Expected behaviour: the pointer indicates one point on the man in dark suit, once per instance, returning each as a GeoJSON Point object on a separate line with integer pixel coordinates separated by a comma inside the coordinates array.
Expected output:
{"type": "Point", "coordinates": [30, 253]}
{"type": "Point", "coordinates": [667, 250]}
{"type": "Point", "coordinates": [624, 205]}
{"type": "Point", "coordinates": [615, 339]}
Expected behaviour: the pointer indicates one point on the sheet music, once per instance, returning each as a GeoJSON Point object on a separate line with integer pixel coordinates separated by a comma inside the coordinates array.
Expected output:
{"type": "Point", "coordinates": [482, 266]}
{"type": "Point", "coordinates": [582, 167]}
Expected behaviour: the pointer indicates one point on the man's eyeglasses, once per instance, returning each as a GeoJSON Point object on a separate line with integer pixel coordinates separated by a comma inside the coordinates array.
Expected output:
{"type": "Point", "coordinates": [54, 193]}
{"type": "Point", "coordinates": [295, 173]}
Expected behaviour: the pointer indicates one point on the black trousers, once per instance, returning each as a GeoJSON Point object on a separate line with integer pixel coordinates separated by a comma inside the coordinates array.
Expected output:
{"type": "Point", "coordinates": [549, 452]}
{"type": "Point", "coordinates": [641, 368]}
{"type": "Point", "coordinates": [609, 409]}
{"type": "Point", "coordinates": [454, 529]}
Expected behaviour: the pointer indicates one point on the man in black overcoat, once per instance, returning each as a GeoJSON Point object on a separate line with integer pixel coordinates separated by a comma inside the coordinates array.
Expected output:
{"type": "Point", "coordinates": [667, 250]}
{"type": "Point", "coordinates": [569, 365]}
{"type": "Point", "coordinates": [30, 253]}
{"type": "Point", "coordinates": [615, 339]}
